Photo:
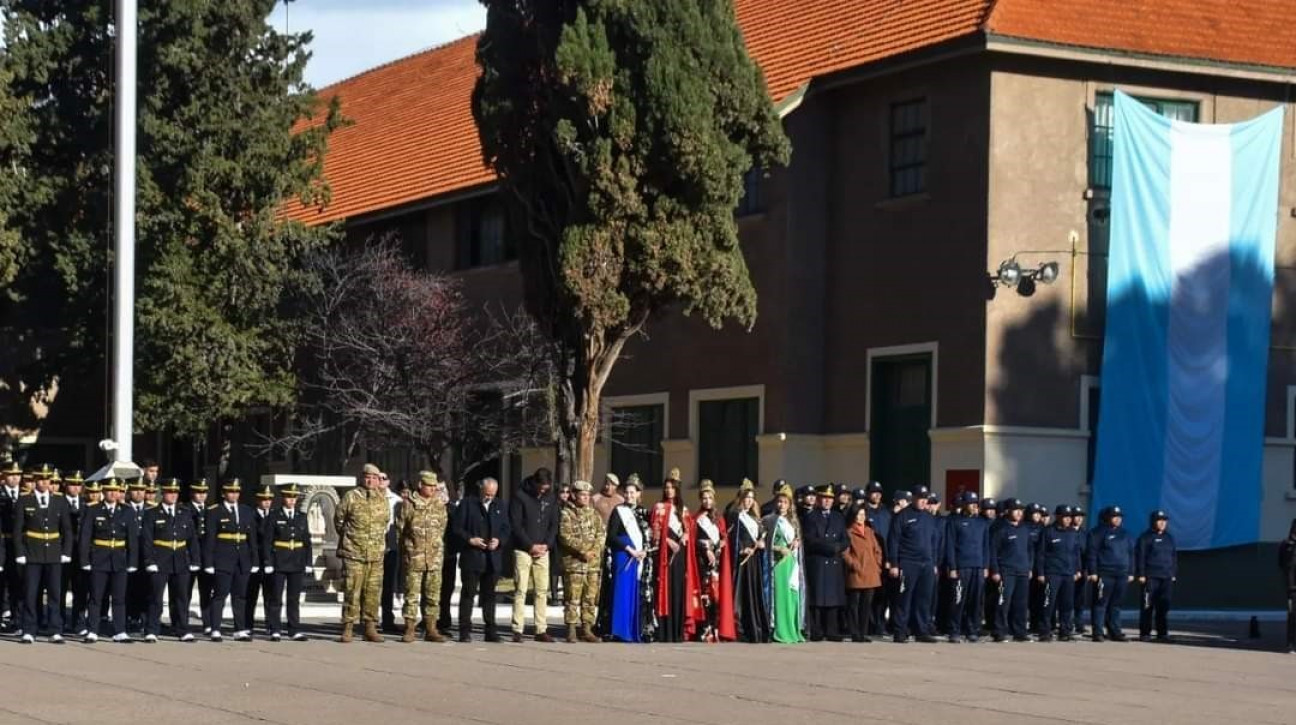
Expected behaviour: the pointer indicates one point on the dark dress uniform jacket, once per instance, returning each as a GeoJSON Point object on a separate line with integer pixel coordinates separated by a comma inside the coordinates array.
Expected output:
{"type": "Point", "coordinates": [75, 514]}
{"type": "Point", "coordinates": [231, 545]}
{"type": "Point", "coordinates": [170, 542]}
{"type": "Point", "coordinates": [8, 502]}
{"type": "Point", "coordinates": [109, 539]}
{"type": "Point", "coordinates": [825, 540]}
{"type": "Point", "coordinates": [42, 535]}
{"type": "Point", "coordinates": [286, 545]}
{"type": "Point", "coordinates": [471, 521]}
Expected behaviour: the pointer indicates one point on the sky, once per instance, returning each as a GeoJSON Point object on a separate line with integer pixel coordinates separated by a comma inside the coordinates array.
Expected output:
{"type": "Point", "coordinates": [352, 36]}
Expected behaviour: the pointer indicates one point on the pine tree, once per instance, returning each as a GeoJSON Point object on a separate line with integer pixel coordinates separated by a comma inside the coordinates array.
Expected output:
{"type": "Point", "coordinates": [621, 131]}
{"type": "Point", "coordinates": [220, 92]}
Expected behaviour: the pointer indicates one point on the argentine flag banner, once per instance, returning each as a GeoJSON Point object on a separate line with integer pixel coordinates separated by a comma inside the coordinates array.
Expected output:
{"type": "Point", "coordinates": [1194, 215]}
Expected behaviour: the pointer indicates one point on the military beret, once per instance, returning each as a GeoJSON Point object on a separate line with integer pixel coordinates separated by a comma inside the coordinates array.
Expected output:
{"type": "Point", "coordinates": [371, 469]}
{"type": "Point", "coordinates": [705, 485]}
{"type": "Point", "coordinates": [266, 492]}
{"type": "Point", "coordinates": [899, 496]}
{"type": "Point", "coordinates": [873, 486]}
{"type": "Point", "coordinates": [613, 478]}
{"type": "Point", "coordinates": [288, 490]}
{"type": "Point", "coordinates": [582, 487]}
{"type": "Point", "coordinates": [171, 485]}
{"type": "Point", "coordinates": [428, 477]}
{"type": "Point", "coordinates": [673, 475]}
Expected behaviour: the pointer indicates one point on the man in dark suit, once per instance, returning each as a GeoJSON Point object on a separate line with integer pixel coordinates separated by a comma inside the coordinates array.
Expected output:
{"type": "Point", "coordinates": [286, 558]}
{"type": "Point", "coordinates": [449, 562]}
{"type": "Point", "coordinates": [42, 544]}
{"type": "Point", "coordinates": [108, 541]}
{"type": "Point", "coordinates": [229, 555]}
{"type": "Point", "coordinates": [825, 540]}
{"type": "Point", "coordinates": [170, 547]}
{"type": "Point", "coordinates": [10, 578]}
{"type": "Point", "coordinates": [482, 528]}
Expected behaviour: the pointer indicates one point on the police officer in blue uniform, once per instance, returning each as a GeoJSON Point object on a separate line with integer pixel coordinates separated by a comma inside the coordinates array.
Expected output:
{"type": "Point", "coordinates": [1057, 567]}
{"type": "Point", "coordinates": [171, 551]}
{"type": "Point", "coordinates": [824, 532]}
{"type": "Point", "coordinates": [1082, 587]}
{"type": "Point", "coordinates": [230, 555]}
{"type": "Point", "coordinates": [879, 517]}
{"type": "Point", "coordinates": [1034, 520]}
{"type": "Point", "coordinates": [1111, 553]}
{"type": "Point", "coordinates": [1156, 565]}
{"type": "Point", "coordinates": [911, 550]}
{"type": "Point", "coordinates": [967, 561]}
{"type": "Point", "coordinates": [990, 514]}
{"type": "Point", "coordinates": [1011, 558]}
{"type": "Point", "coordinates": [109, 544]}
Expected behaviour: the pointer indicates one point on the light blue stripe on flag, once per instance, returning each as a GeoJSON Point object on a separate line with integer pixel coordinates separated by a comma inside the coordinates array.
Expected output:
{"type": "Point", "coordinates": [1194, 215]}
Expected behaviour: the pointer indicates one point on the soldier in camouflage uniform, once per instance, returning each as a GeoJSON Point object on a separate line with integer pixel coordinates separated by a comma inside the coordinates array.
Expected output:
{"type": "Point", "coordinates": [361, 521]}
{"type": "Point", "coordinates": [421, 529]}
{"type": "Point", "coordinates": [580, 536]}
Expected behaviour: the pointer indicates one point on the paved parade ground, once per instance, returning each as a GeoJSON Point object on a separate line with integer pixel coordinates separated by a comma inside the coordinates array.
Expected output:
{"type": "Point", "coordinates": [1208, 678]}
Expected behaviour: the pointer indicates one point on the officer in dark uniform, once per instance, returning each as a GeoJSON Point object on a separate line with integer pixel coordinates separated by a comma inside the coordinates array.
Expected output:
{"type": "Point", "coordinates": [171, 552]}
{"type": "Point", "coordinates": [911, 550]}
{"type": "Point", "coordinates": [768, 507]}
{"type": "Point", "coordinates": [1082, 587]}
{"type": "Point", "coordinates": [1057, 567]}
{"type": "Point", "coordinates": [938, 617]}
{"type": "Point", "coordinates": [73, 581]}
{"type": "Point", "coordinates": [1111, 554]}
{"type": "Point", "coordinates": [1011, 557]}
{"type": "Point", "coordinates": [449, 566]}
{"type": "Point", "coordinates": [230, 556]}
{"type": "Point", "coordinates": [201, 580]}
{"type": "Point", "coordinates": [11, 598]}
{"type": "Point", "coordinates": [287, 559]}
{"type": "Point", "coordinates": [42, 544]}
{"type": "Point", "coordinates": [108, 541]}
{"type": "Point", "coordinates": [824, 533]}
{"type": "Point", "coordinates": [259, 581]}
{"type": "Point", "coordinates": [967, 561]}
{"type": "Point", "coordinates": [806, 499]}
{"type": "Point", "coordinates": [1156, 565]}
{"type": "Point", "coordinates": [990, 514]}
{"type": "Point", "coordinates": [1035, 523]}
{"type": "Point", "coordinates": [139, 585]}
{"type": "Point", "coordinates": [879, 517]}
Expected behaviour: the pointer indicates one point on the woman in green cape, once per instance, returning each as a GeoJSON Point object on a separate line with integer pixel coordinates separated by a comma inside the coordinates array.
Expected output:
{"type": "Point", "coordinates": [786, 577]}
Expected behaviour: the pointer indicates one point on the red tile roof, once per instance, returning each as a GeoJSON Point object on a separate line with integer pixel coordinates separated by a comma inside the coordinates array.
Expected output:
{"type": "Point", "coordinates": [413, 137]}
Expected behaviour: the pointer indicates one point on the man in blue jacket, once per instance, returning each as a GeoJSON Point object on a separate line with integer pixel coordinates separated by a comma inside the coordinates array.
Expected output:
{"type": "Point", "coordinates": [1156, 564]}
{"type": "Point", "coordinates": [967, 561]}
{"type": "Point", "coordinates": [911, 550]}
{"type": "Point", "coordinates": [1057, 567]}
{"type": "Point", "coordinates": [1111, 554]}
{"type": "Point", "coordinates": [1011, 556]}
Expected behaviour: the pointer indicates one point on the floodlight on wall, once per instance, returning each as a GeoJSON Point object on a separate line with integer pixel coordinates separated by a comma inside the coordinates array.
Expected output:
{"type": "Point", "coordinates": [1010, 274]}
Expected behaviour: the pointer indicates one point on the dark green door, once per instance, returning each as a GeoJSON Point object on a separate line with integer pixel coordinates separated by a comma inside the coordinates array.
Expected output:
{"type": "Point", "coordinates": [899, 446]}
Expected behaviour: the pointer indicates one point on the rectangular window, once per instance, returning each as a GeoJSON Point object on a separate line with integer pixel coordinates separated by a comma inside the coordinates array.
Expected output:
{"type": "Point", "coordinates": [752, 201]}
{"type": "Point", "coordinates": [727, 432]}
{"type": "Point", "coordinates": [636, 437]}
{"type": "Point", "coordinates": [909, 147]}
{"type": "Point", "coordinates": [1103, 121]}
{"type": "Point", "coordinates": [483, 234]}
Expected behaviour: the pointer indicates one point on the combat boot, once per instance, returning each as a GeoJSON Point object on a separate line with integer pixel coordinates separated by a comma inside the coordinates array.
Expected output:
{"type": "Point", "coordinates": [346, 632]}
{"type": "Point", "coordinates": [433, 635]}
{"type": "Point", "coordinates": [410, 634]}
{"type": "Point", "coordinates": [571, 634]}
{"type": "Point", "coordinates": [371, 632]}
{"type": "Point", "coordinates": [587, 635]}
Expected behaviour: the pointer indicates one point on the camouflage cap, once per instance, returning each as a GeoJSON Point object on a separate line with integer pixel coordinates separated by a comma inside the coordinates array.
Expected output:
{"type": "Point", "coordinates": [370, 468]}
{"type": "Point", "coordinates": [582, 487]}
{"type": "Point", "coordinates": [612, 478]}
{"type": "Point", "coordinates": [428, 477]}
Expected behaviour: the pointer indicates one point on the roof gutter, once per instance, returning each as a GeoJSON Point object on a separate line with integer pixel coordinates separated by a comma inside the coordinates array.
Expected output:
{"type": "Point", "coordinates": [1107, 56]}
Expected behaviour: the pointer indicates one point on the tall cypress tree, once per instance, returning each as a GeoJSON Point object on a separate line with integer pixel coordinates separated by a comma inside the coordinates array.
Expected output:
{"type": "Point", "coordinates": [621, 131]}
{"type": "Point", "coordinates": [220, 92]}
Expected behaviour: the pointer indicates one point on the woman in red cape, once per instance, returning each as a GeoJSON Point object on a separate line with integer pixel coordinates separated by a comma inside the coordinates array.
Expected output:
{"type": "Point", "coordinates": [679, 599]}
{"type": "Point", "coordinates": [715, 570]}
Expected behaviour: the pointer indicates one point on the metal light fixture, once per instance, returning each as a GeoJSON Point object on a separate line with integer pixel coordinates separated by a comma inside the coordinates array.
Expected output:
{"type": "Point", "coordinates": [1010, 274]}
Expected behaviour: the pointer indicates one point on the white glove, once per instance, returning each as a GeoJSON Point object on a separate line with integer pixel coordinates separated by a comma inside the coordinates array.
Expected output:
{"type": "Point", "coordinates": [210, 570]}
{"type": "Point", "coordinates": [132, 569]}
{"type": "Point", "coordinates": [65, 560]}
{"type": "Point", "coordinates": [269, 570]}
{"type": "Point", "coordinates": [85, 568]}
{"type": "Point", "coordinates": [256, 570]}
{"type": "Point", "coordinates": [151, 568]}
{"type": "Point", "coordinates": [20, 560]}
{"type": "Point", "coordinates": [193, 567]}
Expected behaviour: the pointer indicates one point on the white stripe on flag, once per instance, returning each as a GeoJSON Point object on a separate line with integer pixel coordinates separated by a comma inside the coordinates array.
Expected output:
{"type": "Point", "coordinates": [1201, 166]}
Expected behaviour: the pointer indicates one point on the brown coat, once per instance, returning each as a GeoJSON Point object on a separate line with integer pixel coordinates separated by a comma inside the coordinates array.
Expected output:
{"type": "Point", "coordinates": [863, 559]}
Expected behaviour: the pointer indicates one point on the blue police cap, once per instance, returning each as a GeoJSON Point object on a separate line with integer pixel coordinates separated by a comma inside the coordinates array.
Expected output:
{"type": "Point", "coordinates": [873, 486]}
{"type": "Point", "coordinates": [1062, 510]}
{"type": "Point", "coordinates": [921, 491]}
{"type": "Point", "coordinates": [860, 494]}
{"type": "Point", "coordinates": [899, 496]}
{"type": "Point", "coordinates": [1159, 515]}
{"type": "Point", "coordinates": [989, 504]}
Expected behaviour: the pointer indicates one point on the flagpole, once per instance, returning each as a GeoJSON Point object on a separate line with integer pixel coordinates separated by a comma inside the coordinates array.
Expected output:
{"type": "Point", "coordinates": [123, 320]}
